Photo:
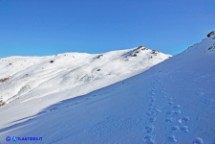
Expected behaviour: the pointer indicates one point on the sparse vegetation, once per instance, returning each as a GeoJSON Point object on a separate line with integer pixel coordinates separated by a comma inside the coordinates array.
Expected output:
{"type": "Point", "coordinates": [211, 33]}
{"type": "Point", "coordinates": [134, 55]}
{"type": "Point", "coordinates": [99, 56]}
{"type": "Point", "coordinates": [210, 48]}
{"type": "Point", "coordinates": [154, 52]}
{"type": "Point", "coordinates": [4, 79]}
{"type": "Point", "coordinates": [135, 52]}
{"type": "Point", "coordinates": [98, 70]}
{"type": "Point", "coordinates": [2, 103]}
{"type": "Point", "coordinates": [51, 61]}
{"type": "Point", "coordinates": [26, 75]}
{"type": "Point", "coordinates": [140, 47]}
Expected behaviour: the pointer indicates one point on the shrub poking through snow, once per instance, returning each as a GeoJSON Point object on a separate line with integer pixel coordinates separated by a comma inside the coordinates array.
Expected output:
{"type": "Point", "coordinates": [212, 48]}
{"type": "Point", "coordinates": [2, 103]}
{"type": "Point", "coordinates": [51, 61]}
{"type": "Point", "coordinates": [4, 79]}
{"type": "Point", "coordinates": [134, 55]}
{"type": "Point", "coordinates": [154, 52]}
{"type": "Point", "coordinates": [99, 56]}
{"type": "Point", "coordinates": [140, 47]}
{"type": "Point", "coordinates": [211, 34]}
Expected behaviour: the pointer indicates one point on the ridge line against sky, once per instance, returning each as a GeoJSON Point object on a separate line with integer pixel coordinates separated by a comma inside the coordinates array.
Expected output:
{"type": "Point", "coordinates": [48, 27]}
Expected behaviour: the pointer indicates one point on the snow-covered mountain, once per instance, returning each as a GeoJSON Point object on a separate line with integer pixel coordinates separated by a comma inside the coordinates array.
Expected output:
{"type": "Point", "coordinates": [171, 103]}
{"type": "Point", "coordinates": [30, 84]}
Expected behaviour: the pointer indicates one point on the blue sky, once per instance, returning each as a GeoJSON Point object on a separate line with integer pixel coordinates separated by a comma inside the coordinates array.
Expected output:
{"type": "Point", "coordinates": [45, 27]}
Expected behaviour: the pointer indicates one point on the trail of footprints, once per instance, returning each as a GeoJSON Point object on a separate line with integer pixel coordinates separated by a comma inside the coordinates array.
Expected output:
{"type": "Point", "coordinates": [178, 122]}
{"type": "Point", "coordinates": [175, 120]}
{"type": "Point", "coordinates": [152, 114]}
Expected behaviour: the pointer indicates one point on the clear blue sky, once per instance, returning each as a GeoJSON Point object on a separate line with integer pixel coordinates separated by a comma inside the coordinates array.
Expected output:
{"type": "Point", "coordinates": [44, 27]}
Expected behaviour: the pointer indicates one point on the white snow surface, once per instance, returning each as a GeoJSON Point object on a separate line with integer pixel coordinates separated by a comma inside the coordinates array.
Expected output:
{"type": "Point", "coordinates": [171, 103]}
{"type": "Point", "coordinates": [30, 84]}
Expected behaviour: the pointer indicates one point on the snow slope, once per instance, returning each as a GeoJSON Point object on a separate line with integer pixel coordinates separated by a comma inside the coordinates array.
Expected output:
{"type": "Point", "coordinates": [172, 103]}
{"type": "Point", "coordinates": [30, 84]}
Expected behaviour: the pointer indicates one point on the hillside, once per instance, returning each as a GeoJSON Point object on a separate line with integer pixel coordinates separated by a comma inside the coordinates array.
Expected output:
{"type": "Point", "coordinates": [30, 84]}
{"type": "Point", "coordinates": [171, 103]}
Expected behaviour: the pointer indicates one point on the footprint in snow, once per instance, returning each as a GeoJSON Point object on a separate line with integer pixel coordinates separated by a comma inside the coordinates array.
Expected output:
{"type": "Point", "coordinates": [152, 100]}
{"type": "Point", "coordinates": [170, 102]}
{"type": "Point", "coordinates": [184, 120]}
{"type": "Point", "coordinates": [148, 140]}
{"type": "Point", "coordinates": [151, 105]}
{"type": "Point", "coordinates": [175, 128]}
{"type": "Point", "coordinates": [157, 110]}
{"type": "Point", "coordinates": [184, 129]}
{"type": "Point", "coordinates": [153, 93]}
{"type": "Point", "coordinates": [152, 119]}
{"type": "Point", "coordinates": [176, 112]}
{"type": "Point", "coordinates": [149, 113]}
{"type": "Point", "coordinates": [177, 106]}
{"type": "Point", "coordinates": [198, 141]}
{"type": "Point", "coordinates": [149, 129]}
{"type": "Point", "coordinates": [169, 120]}
{"type": "Point", "coordinates": [172, 139]}
{"type": "Point", "coordinates": [153, 112]}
